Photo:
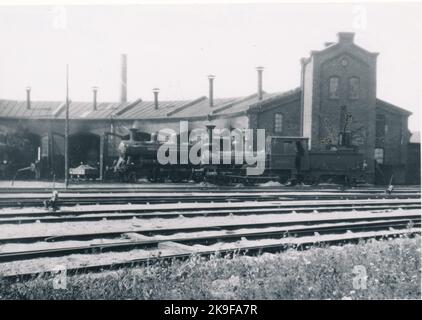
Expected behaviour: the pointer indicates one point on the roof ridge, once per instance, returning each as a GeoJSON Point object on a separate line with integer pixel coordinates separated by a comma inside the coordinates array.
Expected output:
{"type": "Point", "coordinates": [127, 108]}
{"type": "Point", "coordinates": [276, 96]}
{"type": "Point", "coordinates": [59, 109]}
{"type": "Point", "coordinates": [184, 106]}
{"type": "Point", "coordinates": [232, 103]}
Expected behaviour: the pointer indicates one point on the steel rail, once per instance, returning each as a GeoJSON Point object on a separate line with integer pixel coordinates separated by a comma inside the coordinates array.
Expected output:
{"type": "Point", "coordinates": [50, 218]}
{"type": "Point", "coordinates": [144, 199]}
{"type": "Point", "coordinates": [203, 207]}
{"type": "Point", "coordinates": [198, 188]}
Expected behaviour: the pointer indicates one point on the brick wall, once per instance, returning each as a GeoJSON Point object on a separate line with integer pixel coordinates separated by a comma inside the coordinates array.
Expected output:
{"type": "Point", "coordinates": [291, 118]}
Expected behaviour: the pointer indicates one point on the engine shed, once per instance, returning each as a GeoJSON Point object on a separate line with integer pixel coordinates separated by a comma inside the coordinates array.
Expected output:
{"type": "Point", "coordinates": [334, 105]}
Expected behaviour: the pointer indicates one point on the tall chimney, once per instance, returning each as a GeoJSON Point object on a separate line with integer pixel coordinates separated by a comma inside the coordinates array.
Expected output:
{"type": "Point", "coordinates": [156, 91]}
{"type": "Point", "coordinates": [260, 70]}
{"type": "Point", "coordinates": [211, 87]}
{"type": "Point", "coordinates": [123, 79]}
{"type": "Point", "coordinates": [28, 98]}
{"type": "Point", "coordinates": [94, 98]}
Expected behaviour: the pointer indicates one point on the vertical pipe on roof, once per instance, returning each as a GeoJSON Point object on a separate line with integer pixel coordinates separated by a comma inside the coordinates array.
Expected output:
{"type": "Point", "coordinates": [28, 98]}
{"type": "Point", "coordinates": [211, 89]}
{"type": "Point", "coordinates": [260, 70]}
{"type": "Point", "coordinates": [123, 78]}
{"type": "Point", "coordinates": [94, 98]}
{"type": "Point", "coordinates": [156, 91]}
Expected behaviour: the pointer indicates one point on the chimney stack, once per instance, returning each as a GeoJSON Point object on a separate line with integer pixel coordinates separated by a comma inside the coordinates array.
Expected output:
{"type": "Point", "coordinates": [28, 98]}
{"type": "Point", "coordinates": [345, 37]}
{"type": "Point", "coordinates": [156, 91]}
{"type": "Point", "coordinates": [123, 79]}
{"type": "Point", "coordinates": [260, 70]}
{"type": "Point", "coordinates": [211, 87]}
{"type": "Point", "coordinates": [94, 96]}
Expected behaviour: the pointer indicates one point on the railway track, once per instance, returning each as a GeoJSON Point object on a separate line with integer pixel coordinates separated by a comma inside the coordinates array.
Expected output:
{"type": "Point", "coordinates": [273, 247]}
{"type": "Point", "coordinates": [186, 187]}
{"type": "Point", "coordinates": [332, 228]}
{"type": "Point", "coordinates": [104, 212]}
{"type": "Point", "coordinates": [72, 199]}
{"type": "Point", "coordinates": [287, 218]}
{"type": "Point", "coordinates": [207, 239]}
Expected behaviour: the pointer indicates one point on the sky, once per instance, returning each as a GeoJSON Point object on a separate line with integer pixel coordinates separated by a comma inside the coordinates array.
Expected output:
{"type": "Point", "coordinates": [175, 47]}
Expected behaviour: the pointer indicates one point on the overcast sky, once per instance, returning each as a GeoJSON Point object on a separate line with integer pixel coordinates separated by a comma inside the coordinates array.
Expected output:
{"type": "Point", "coordinates": [174, 47]}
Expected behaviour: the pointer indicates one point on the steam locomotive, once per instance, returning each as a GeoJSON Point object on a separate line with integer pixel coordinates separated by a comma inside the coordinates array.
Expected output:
{"type": "Point", "coordinates": [287, 160]}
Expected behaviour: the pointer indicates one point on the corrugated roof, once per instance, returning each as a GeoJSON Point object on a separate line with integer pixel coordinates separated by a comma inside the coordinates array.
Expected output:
{"type": "Point", "coordinates": [146, 109]}
{"type": "Point", "coordinates": [18, 109]}
{"type": "Point", "coordinates": [85, 110]}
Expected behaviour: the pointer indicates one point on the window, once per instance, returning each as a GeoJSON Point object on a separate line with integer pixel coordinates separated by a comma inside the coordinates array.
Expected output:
{"type": "Point", "coordinates": [379, 155]}
{"type": "Point", "coordinates": [278, 123]}
{"type": "Point", "coordinates": [380, 129]}
{"type": "Point", "coordinates": [334, 88]}
{"type": "Point", "coordinates": [354, 88]}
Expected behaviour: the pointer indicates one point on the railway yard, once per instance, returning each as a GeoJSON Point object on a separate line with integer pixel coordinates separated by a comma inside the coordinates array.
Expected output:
{"type": "Point", "coordinates": [103, 227]}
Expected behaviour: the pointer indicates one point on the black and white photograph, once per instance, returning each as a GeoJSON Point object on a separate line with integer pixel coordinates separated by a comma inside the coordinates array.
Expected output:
{"type": "Point", "coordinates": [188, 150]}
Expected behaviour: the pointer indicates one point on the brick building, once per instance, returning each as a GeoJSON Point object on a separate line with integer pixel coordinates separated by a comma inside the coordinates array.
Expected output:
{"type": "Point", "coordinates": [336, 100]}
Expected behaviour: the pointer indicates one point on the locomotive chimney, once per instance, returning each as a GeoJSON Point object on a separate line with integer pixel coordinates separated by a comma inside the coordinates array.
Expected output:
{"type": "Point", "coordinates": [28, 98]}
{"type": "Point", "coordinates": [211, 88]}
{"type": "Point", "coordinates": [156, 91]}
{"type": "Point", "coordinates": [132, 134]}
{"type": "Point", "coordinates": [123, 78]}
{"type": "Point", "coordinates": [94, 98]}
{"type": "Point", "coordinates": [260, 70]}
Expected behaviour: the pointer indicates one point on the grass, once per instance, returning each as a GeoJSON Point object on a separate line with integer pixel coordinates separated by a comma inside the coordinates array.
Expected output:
{"type": "Point", "coordinates": [392, 269]}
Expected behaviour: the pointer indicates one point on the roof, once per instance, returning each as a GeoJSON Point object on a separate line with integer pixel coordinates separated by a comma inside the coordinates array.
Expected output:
{"type": "Point", "coordinates": [171, 109]}
{"type": "Point", "coordinates": [391, 107]}
{"type": "Point", "coordinates": [415, 137]}
{"type": "Point", "coordinates": [344, 40]}
{"type": "Point", "coordinates": [138, 109]}
{"type": "Point", "coordinates": [18, 109]}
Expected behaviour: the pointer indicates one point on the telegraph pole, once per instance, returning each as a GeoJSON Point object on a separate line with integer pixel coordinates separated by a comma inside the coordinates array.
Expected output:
{"type": "Point", "coordinates": [66, 133]}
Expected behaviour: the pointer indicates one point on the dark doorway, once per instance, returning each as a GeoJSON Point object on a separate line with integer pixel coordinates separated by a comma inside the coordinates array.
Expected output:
{"type": "Point", "coordinates": [84, 148]}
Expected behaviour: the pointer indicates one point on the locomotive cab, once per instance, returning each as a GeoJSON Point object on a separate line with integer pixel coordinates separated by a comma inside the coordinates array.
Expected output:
{"type": "Point", "coordinates": [287, 157]}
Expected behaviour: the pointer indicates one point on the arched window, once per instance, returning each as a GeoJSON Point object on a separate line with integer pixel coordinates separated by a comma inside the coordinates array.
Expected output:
{"type": "Point", "coordinates": [354, 88]}
{"type": "Point", "coordinates": [278, 123]}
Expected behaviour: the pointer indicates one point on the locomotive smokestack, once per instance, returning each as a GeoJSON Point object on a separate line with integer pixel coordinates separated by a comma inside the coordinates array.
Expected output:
{"type": "Point", "coordinates": [123, 78]}
{"type": "Point", "coordinates": [156, 91]}
{"type": "Point", "coordinates": [94, 98]}
{"type": "Point", "coordinates": [211, 88]}
{"type": "Point", "coordinates": [28, 98]}
{"type": "Point", "coordinates": [260, 70]}
{"type": "Point", "coordinates": [132, 134]}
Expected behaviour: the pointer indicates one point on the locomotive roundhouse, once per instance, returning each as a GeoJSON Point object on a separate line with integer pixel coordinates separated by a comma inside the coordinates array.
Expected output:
{"type": "Point", "coordinates": [335, 104]}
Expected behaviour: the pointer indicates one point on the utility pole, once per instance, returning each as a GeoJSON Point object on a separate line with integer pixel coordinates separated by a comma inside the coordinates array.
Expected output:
{"type": "Point", "coordinates": [66, 133]}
